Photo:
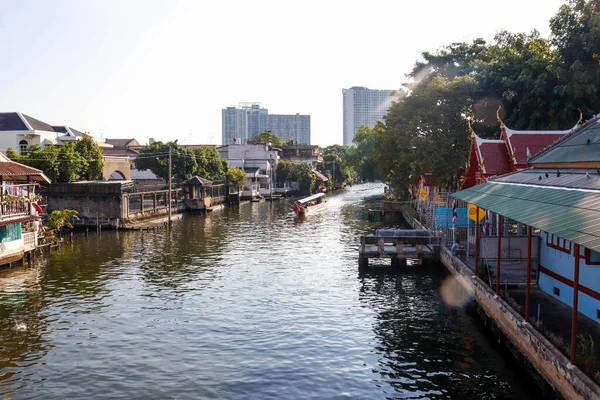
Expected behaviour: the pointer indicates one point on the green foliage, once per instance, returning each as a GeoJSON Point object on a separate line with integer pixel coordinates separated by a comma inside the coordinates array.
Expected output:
{"type": "Point", "coordinates": [70, 162]}
{"type": "Point", "coordinates": [202, 161]}
{"type": "Point", "coordinates": [60, 219]}
{"type": "Point", "coordinates": [297, 172]}
{"type": "Point", "coordinates": [210, 164]}
{"type": "Point", "coordinates": [362, 156]}
{"type": "Point", "coordinates": [92, 153]}
{"type": "Point", "coordinates": [586, 352]}
{"type": "Point", "coordinates": [235, 177]}
{"type": "Point", "coordinates": [155, 158]}
{"type": "Point", "coordinates": [540, 83]}
{"type": "Point", "coordinates": [337, 163]}
{"type": "Point", "coordinates": [267, 137]}
{"type": "Point", "coordinates": [65, 163]}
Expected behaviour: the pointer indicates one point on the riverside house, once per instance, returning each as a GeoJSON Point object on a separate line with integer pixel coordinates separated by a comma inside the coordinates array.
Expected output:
{"type": "Point", "coordinates": [19, 211]}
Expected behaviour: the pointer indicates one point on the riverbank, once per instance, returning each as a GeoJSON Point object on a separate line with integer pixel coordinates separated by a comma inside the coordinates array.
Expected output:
{"type": "Point", "coordinates": [525, 343]}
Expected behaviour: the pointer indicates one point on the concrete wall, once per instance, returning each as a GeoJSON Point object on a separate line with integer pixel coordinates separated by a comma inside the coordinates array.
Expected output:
{"type": "Point", "coordinates": [117, 164]}
{"type": "Point", "coordinates": [552, 365]}
{"type": "Point", "coordinates": [563, 263]}
{"type": "Point", "coordinates": [87, 206]}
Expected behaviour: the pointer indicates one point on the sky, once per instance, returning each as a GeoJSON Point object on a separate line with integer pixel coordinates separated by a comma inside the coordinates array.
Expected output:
{"type": "Point", "coordinates": [165, 69]}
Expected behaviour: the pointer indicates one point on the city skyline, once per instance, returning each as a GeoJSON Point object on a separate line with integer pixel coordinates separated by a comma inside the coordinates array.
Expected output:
{"type": "Point", "coordinates": [165, 69]}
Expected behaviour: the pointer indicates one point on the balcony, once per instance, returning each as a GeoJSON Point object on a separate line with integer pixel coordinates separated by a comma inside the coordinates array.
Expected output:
{"type": "Point", "coordinates": [13, 208]}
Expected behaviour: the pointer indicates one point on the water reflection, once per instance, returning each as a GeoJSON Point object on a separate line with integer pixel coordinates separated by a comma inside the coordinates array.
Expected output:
{"type": "Point", "coordinates": [241, 303]}
{"type": "Point", "coordinates": [426, 349]}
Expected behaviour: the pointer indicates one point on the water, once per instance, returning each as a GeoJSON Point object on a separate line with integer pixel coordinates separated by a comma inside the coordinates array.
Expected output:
{"type": "Point", "coordinates": [238, 304]}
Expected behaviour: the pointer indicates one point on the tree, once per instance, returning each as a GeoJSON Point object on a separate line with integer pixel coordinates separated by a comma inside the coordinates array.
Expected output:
{"type": "Point", "coordinates": [70, 162]}
{"type": "Point", "coordinates": [576, 38]}
{"type": "Point", "coordinates": [297, 172]}
{"type": "Point", "coordinates": [235, 177]}
{"type": "Point", "coordinates": [60, 219]}
{"type": "Point", "coordinates": [92, 153]}
{"type": "Point", "coordinates": [210, 164]}
{"type": "Point", "coordinates": [266, 137]}
{"type": "Point", "coordinates": [155, 158]}
{"type": "Point", "coordinates": [361, 156]}
{"type": "Point", "coordinates": [336, 162]}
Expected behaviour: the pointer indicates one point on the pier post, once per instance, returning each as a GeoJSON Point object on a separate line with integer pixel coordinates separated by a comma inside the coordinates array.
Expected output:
{"type": "Point", "coordinates": [477, 240]}
{"type": "Point", "coordinates": [499, 254]}
{"type": "Point", "coordinates": [575, 301]}
{"type": "Point", "coordinates": [363, 262]}
{"type": "Point", "coordinates": [528, 279]}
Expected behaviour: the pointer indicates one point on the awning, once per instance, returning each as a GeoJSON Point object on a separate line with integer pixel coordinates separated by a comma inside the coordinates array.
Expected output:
{"type": "Point", "coordinates": [572, 214]}
{"type": "Point", "coordinates": [25, 218]}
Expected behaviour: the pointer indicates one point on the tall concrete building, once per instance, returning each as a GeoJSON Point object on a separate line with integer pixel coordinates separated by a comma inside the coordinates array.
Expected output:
{"type": "Point", "coordinates": [363, 106]}
{"type": "Point", "coordinates": [249, 119]}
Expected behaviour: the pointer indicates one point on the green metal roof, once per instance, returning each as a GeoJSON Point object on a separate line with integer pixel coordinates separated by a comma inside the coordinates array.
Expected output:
{"type": "Point", "coordinates": [582, 146]}
{"type": "Point", "coordinates": [572, 214]}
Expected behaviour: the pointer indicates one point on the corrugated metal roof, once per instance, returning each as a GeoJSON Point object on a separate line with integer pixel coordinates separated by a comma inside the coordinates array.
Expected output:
{"type": "Point", "coordinates": [573, 214]}
{"type": "Point", "coordinates": [14, 171]}
{"type": "Point", "coordinates": [568, 178]}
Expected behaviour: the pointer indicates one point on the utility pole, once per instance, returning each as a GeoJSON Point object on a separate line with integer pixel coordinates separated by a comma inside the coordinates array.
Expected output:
{"type": "Point", "coordinates": [170, 198]}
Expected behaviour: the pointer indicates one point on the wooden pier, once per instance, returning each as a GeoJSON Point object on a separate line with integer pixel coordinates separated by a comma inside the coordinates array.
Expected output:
{"type": "Point", "coordinates": [398, 245]}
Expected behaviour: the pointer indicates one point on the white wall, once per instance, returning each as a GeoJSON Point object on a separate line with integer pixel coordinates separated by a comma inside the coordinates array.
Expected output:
{"type": "Point", "coordinates": [12, 138]}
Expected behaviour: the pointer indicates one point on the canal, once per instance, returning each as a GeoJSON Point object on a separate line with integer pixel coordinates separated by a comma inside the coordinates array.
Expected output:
{"type": "Point", "coordinates": [239, 304]}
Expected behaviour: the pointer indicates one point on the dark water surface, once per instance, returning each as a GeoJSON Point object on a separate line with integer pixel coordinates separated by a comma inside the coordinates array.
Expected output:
{"type": "Point", "coordinates": [238, 304]}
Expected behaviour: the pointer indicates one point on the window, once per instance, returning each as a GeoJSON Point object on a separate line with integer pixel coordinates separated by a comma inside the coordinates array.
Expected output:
{"type": "Point", "coordinates": [591, 257]}
{"type": "Point", "coordinates": [558, 243]}
{"type": "Point", "coordinates": [23, 145]}
{"type": "Point", "coordinates": [556, 291]}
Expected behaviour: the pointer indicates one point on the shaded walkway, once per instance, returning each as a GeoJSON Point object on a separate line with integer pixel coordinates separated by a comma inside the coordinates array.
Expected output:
{"type": "Point", "coordinates": [554, 321]}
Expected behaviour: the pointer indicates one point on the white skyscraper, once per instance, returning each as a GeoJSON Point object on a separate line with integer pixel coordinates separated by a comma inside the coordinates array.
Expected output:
{"type": "Point", "coordinates": [250, 119]}
{"type": "Point", "coordinates": [363, 106]}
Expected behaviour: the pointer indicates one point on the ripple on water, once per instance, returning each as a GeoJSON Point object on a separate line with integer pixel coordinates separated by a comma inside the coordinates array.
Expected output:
{"type": "Point", "coordinates": [241, 303]}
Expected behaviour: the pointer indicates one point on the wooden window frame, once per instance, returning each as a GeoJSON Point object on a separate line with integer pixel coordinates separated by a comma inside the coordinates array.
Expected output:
{"type": "Point", "coordinates": [550, 242]}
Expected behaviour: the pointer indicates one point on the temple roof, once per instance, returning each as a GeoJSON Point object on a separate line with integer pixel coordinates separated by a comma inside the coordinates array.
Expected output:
{"type": "Point", "coordinates": [535, 141]}
{"type": "Point", "coordinates": [493, 156]}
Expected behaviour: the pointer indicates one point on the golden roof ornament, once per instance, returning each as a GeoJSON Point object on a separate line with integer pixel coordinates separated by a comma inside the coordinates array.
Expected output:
{"type": "Point", "coordinates": [470, 128]}
{"type": "Point", "coordinates": [498, 117]}
{"type": "Point", "coordinates": [580, 117]}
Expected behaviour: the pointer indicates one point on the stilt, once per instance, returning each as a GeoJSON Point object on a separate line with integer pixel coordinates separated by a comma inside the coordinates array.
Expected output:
{"type": "Point", "coordinates": [363, 262]}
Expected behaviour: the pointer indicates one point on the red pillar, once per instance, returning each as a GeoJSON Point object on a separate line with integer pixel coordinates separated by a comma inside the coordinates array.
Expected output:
{"type": "Point", "coordinates": [499, 254]}
{"type": "Point", "coordinates": [528, 281]}
{"type": "Point", "coordinates": [575, 301]}
{"type": "Point", "coordinates": [477, 240]}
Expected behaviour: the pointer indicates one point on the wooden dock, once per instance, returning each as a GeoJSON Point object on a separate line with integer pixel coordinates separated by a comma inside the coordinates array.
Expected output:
{"type": "Point", "coordinates": [398, 245]}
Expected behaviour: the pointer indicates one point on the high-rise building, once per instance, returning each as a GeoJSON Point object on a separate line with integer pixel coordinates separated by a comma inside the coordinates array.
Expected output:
{"type": "Point", "coordinates": [249, 119]}
{"type": "Point", "coordinates": [363, 106]}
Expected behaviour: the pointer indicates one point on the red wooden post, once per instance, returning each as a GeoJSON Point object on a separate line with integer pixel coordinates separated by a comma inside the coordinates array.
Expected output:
{"type": "Point", "coordinates": [528, 281]}
{"type": "Point", "coordinates": [499, 230]}
{"type": "Point", "coordinates": [476, 239]}
{"type": "Point", "coordinates": [575, 301]}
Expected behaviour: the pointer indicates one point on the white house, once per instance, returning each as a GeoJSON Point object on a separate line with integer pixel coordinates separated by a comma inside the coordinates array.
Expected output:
{"type": "Point", "coordinates": [259, 161]}
{"type": "Point", "coordinates": [20, 131]}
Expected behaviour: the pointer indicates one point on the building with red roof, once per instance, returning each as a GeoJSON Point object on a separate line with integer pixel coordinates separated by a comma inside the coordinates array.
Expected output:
{"type": "Point", "coordinates": [494, 157]}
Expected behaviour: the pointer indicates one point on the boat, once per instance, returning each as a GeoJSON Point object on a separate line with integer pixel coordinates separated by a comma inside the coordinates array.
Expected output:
{"type": "Point", "coordinates": [309, 205]}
